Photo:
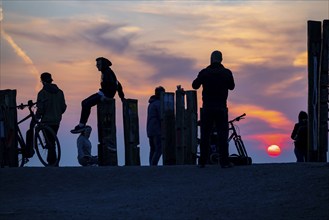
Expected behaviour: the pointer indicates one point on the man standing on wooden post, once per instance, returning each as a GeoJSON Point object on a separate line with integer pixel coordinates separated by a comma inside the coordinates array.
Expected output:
{"type": "Point", "coordinates": [216, 80]}
{"type": "Point", "coordinates": [109, 86]}
{"type": "Point", "coordinates": [153, 126]}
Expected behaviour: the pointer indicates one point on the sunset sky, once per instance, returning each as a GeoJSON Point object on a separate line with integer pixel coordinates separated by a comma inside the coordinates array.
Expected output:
{"type": "Point", "coordinates": [152, 43]}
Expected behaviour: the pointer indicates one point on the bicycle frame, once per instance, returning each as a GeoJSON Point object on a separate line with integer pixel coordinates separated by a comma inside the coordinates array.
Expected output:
{"type": "Point", "coordinates": [20, 138]}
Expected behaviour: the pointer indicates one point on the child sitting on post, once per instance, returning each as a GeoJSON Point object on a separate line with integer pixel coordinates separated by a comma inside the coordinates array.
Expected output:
{"type": "Point", "coordinates": [84, 148]}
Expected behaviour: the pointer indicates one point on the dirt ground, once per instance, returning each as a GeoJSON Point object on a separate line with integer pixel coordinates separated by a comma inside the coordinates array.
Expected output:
{"type": "Point", "coordinates": [260, 191]}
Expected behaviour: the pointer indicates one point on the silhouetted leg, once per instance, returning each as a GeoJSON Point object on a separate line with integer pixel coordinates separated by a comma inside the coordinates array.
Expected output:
{"type": "Point", "coordinates": [222, 131]}
{"type": "Point", "coordinates": [299, 155]}
{"type": "Point", "coordinates": [206, 128]}
{"type": "Point", "coordinates": [86, 106]}
{"type": "Point", "coordinates": [158, 150]}
{"type": "Point", "coordinates": [152, 148]}
{"type": "Point", "coordinates": [51, 157]}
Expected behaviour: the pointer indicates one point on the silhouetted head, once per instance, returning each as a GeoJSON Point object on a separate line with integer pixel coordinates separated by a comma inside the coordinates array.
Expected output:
{"type": "Point", "coordinates": [216, 57]}
{"type": "Point", "coordinates": [87, 131]}
{"type": "Point", "coordinates": [302, 116]}
{"type": "Point", "coordinates": [102, 63]}
{"type": "Point", "coordinates": [46, 77]}
{"type": "Point", "coordinates": [158, 90]}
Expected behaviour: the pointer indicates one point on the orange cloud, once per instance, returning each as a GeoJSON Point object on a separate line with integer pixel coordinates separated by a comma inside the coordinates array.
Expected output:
{"type": "Point", "coordinates": [266, 140]}
{"type": "Point", "coordinates": [301, 59]}
{"type": "Point", "coordinates": [274, 119]}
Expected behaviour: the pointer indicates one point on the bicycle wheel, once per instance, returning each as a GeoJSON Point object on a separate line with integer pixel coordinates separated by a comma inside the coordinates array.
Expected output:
{"type": "Point", "coordinates": [21, 151]}
{"type": "Point", "coordinates": [239, 146]}
{"type": "Point", "coordinates": [47, 146]}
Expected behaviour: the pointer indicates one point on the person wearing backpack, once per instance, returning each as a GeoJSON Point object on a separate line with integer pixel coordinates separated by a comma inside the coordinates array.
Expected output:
{"type": "Point", "coordinates": [300, 137]}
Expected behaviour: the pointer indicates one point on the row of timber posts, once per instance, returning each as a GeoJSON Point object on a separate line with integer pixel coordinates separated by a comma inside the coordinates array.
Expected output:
{"type": "Point", "coordinates": [318, 85]}
{"type": "Point", "coordinates": [179, 128]}
{"type": "Point", "coordinates": [8, 120]}
{"type": "Point", "coordinates": [106, 122]}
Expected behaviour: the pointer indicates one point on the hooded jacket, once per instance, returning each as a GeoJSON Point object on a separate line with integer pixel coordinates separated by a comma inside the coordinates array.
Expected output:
{"type": "Point", "coordinates": [110, 85]}
{"type": "Point", "coordinates": [51, 104]}
{"type": "Point", "coordinates": [153, 126]}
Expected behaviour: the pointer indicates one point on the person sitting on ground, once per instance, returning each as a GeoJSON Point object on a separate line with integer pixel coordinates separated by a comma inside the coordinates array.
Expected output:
{"type": "Point", "coordinates": [84, 148]}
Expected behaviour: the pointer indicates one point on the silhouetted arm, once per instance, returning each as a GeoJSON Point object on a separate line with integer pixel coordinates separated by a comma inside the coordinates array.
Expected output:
{"type": "Point", "coordinates": [197, 82]}
{"type": "Point", "coordinates": [231, 85]}
{"type": "Point", "coordinates": [120, 92]}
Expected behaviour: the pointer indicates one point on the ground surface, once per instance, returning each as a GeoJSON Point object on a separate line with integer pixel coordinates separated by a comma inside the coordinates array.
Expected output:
{"type": "Point", "coordinates": [260, 191]}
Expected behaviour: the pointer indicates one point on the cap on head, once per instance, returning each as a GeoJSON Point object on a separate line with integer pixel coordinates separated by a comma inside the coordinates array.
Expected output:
{"type": "Point", "coordinates": [159, 90]}
{"type": "Point", "coordinates": [105, 61]}
{"type": "Point", "coordinates": [46, 77]}
{"type": "Point", "coordinates": [216, 57]}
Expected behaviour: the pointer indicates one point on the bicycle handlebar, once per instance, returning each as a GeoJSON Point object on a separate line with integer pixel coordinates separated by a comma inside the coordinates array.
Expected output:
{"type": "Point", "coordinates": [238, 118]}
{"type": "Point", "coordinates": [29, 104]}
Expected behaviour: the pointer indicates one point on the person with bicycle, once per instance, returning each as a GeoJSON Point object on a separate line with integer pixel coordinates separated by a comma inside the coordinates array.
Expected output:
{"type": "Point", "coordinates": [50, 108]}
{"type": "Point", "coordinates": [216, 81]}
{"type": "Point", "coordinates": [109, 86]}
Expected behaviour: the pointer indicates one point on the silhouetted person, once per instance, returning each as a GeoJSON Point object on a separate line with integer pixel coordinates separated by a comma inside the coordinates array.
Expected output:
{"type": "Point", "coordinates": [216, 80]}
{"type": "Point", "coordinates": [153, 126]}
{"type": "Point", "coordinates": [300, 137]}
{"type": "Point", "coordinates": [84, 148]}
{"type": "Point", "coordinates": [50, 107]}
{"type": "Point", "coordinates": [109, 86]}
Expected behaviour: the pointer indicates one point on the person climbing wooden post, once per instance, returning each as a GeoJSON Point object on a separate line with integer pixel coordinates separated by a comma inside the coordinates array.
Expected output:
{"type": "Point", "coordinates": [131, 132]}
{"type": "Point", "coordinates": [168, 128]}
{"type": "Point", "coordinates": [107, 146]}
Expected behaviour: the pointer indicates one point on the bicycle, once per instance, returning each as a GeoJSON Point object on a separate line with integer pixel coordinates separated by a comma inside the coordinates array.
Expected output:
{"type": "Point", "coordinates": [39, 137]}
{"type": "Point", "coordinates": [241, 158]}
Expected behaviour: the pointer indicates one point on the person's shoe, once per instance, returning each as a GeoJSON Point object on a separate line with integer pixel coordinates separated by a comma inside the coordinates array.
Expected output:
{"type": "Point", "coordinates": [78, 129]}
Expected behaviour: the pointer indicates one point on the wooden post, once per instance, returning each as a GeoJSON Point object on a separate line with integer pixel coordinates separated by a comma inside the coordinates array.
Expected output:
{"type": "Point", "coordinates": [180, 126]}
{"type": "Point", "coordinates": [314, 48]}
{"type": "Point", "coordinates": [131, 132]}
{"type": "Point", "coordinates": [324, 85]}
{"type": "Point", "coordinates": [107, 147]}
{"type": "Point", "coordinates": [8, 121]}
{"type": "Point", "coordinates": [168, 128]}
{"type": "Point", "coordinates": [191, 133]}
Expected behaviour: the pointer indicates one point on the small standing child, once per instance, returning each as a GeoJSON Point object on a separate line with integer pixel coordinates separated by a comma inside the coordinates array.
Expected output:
{"type": "Point", "coordinates": [84, 148]}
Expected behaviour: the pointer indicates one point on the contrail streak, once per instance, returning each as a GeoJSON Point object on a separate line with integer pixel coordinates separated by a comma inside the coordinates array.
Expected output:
{"type": "Point", "coordinates": [21, 53]}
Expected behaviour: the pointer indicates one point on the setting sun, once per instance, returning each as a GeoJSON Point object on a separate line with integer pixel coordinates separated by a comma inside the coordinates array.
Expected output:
{"type": "Point", "coordinates": [274, 150]}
